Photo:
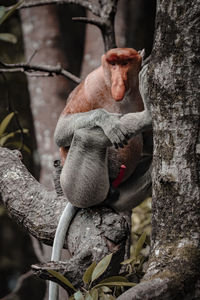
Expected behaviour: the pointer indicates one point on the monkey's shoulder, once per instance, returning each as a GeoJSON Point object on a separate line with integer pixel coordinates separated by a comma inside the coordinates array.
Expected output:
{"type": "Point", "coordinates": [77, 101]}
{"type": "Point", "coordinates": [95, 88]}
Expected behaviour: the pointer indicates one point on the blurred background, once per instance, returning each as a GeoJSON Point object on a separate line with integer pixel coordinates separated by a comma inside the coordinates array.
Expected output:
{"type": "Point", "coordinates": [30, 107]}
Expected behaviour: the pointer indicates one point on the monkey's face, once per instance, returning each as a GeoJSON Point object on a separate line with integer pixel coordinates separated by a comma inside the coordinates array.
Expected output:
{"type": "Point", "coordinates": [121, 68]}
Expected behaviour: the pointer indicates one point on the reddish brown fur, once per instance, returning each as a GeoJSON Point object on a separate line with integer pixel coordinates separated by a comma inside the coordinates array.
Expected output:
{"type": "Point", "coordinates": [94, 92]}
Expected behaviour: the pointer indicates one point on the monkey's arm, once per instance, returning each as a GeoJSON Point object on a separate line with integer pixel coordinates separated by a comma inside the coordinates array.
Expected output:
{"type": "Point", "coordinates": [134, 190]}
{"type": "Point", "coordinates": [140, 121]}
{"type": "Point", "coordinates": [110, 123]}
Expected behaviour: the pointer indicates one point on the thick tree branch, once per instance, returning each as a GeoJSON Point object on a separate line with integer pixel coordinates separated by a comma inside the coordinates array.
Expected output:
{"type": "Point", "coordinates": [98, 230]}
{"type": "Point", "coordinates": [45, 69]}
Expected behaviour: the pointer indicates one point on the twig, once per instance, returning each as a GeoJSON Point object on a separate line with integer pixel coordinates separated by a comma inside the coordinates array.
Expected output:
{"type": "Point", "coordinates": [50, 70]}
{"type": "Point", "coordinates": [37, 74]}
{"type": "Point", "coordinates": [98, 23]}
{"type": "Point", "coordinates": [32, 55]}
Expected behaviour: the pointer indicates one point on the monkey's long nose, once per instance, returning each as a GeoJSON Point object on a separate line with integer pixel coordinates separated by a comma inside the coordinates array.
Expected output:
{"type": "Point", "coordinates": [118, 87]}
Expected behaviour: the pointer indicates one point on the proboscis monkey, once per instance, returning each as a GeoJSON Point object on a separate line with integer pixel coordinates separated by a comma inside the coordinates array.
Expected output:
{"type": "Point", "coordinates": [91, 120]}
{"type": "Point", "coordinates": [93, 135]}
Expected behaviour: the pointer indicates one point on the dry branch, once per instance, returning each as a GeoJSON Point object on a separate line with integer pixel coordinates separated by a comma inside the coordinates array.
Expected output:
{"type": "Point", "coordinates": [40, 69]}
{"type": "Point", "coordinates": [84, 3]}
{"type": "Point", "coordinates": [105, 10]}
{"type": "Point", "coordinates": [92, 21]}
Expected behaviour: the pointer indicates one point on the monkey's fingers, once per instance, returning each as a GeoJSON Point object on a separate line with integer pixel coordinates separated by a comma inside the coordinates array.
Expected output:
{"type": "Point", "coordinates": [143, 79]}
{"type": "Point", "coordinates": [125, 133]}
{"type": "Point", "coordinates": [118, 138]}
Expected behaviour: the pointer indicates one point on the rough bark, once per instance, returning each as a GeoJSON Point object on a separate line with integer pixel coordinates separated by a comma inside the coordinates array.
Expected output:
{"type": "Point", "coordinates": [173, 269]}
{"type": "Point", "coordinates": [93, 233]}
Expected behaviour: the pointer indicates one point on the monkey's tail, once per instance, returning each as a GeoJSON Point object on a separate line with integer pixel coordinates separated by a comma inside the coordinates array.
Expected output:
{"type": "Point", "coordinates": [58, 243]}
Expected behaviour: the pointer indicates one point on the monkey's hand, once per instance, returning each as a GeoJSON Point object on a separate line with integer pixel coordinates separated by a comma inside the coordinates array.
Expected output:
{"type": "Point", "coordinates": [112, 127]}
{"type": "Point", "coordinates": [110, 123]}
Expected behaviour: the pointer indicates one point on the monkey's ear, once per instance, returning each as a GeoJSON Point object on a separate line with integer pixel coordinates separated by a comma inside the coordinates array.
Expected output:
{"type": "Point", "coordinates": [142, 53]}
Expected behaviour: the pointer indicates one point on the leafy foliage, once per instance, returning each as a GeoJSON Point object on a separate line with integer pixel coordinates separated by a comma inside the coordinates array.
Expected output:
{"type": "Point", "coordinates": [135, 262]}
{"type": "Point", "coordinates": [104, 289]}
{"type": "Point", "coordinates": [4, 14]}
{"type": "Point", "coordinates": [9, 139]}
{"type": "Point", "coordinates": [140, 235]}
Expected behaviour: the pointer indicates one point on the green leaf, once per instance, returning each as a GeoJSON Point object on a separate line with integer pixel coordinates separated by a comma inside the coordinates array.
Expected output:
{"type": "Point", "coordinates": [94, 294]}
{"type": "Point", "coordinates": [107, 297]}
{"type": "Point", "coordinates": [101, 267]}
{"type": "Point", "coordinates": [128, 261]}
{"type": "Point", "coordinates": [61, 278]}
{"type": "Point", "coordinates": [4, 138]}
{"type": "Point", "coordinates": [88, 297]}
{"type": "Point", "coordinates": [114, 279]}
{"type": "Point", "coordinates": [106, 289]}
{"type": "Point", "coordinates": [27, 149]}
{"type": "Point", "coordinates": [88, 273]}
{"type": "Point", "coordinates": [4, 124]}
{"type": "Point", "coordinates": [11, 11]}
{"type": "Point", "coordinates": [2, 11]}
{"type": "Point", "coordinates": [140, 244]}
{"type": "Point", "coordinates": [78, 296]}
{"type": "Point", "coordinates": [8, 37]}
{"type": "Point", "coordinates": [18, 145]}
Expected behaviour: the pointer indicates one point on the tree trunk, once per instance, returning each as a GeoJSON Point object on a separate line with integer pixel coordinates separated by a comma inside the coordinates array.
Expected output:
{"type": "Point", "coordinates": [173, 269]}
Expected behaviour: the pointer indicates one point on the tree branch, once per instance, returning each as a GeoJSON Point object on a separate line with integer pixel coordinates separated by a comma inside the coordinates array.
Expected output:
{"type": "Point", "coordinates": [99, 230]}
{"type": "Point", "coordinates": [84, 3]}
{"type": "Point", "coordinates": [98, 23]}
{"type": "Point", "coordinates": [106, 10]}
{"type": "Point", "coordinates": [29, 68]}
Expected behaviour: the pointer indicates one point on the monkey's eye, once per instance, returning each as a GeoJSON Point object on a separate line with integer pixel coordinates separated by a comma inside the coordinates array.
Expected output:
{"type": "Point", "coordinates": [124, 63]}
{"type": "Point", "coordinates": [113, 63]}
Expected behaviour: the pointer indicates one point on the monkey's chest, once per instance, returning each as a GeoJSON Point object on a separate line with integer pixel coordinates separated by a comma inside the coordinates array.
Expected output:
{"type": "Point", "coordinates": [128, 156]}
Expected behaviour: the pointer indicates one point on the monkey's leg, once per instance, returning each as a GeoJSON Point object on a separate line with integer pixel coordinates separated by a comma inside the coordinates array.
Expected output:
{"type": "Point", "coordinates": [84, 178]}
{"type": "Point", "coordinates": [136, 189]}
